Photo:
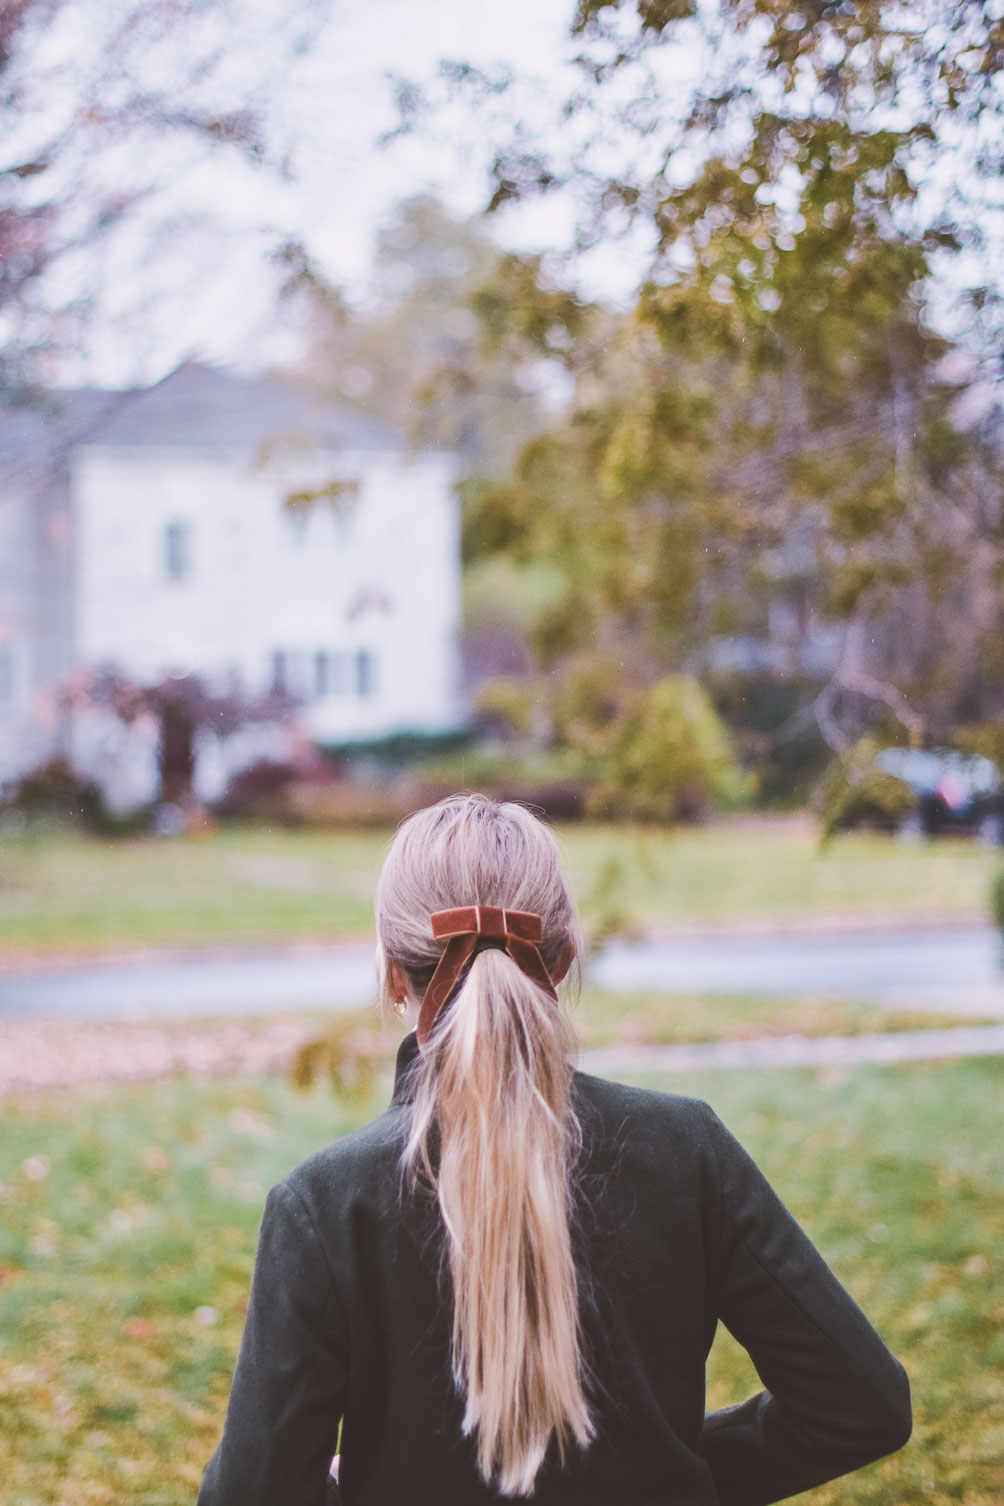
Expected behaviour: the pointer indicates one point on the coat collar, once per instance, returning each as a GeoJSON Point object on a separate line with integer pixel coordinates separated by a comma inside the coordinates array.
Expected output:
{"type": "Point", "coordinates": [407, 1054]}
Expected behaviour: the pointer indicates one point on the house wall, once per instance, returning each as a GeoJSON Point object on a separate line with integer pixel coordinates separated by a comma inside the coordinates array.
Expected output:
{"type": "Point", "coordinates": [374, 588]}
{"type": "Point", "coordinates": [36, 551]}
{"type": "Point", "coordinates": [15, 630]}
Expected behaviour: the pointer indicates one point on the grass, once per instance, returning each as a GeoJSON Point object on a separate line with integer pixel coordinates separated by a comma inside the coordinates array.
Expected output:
{"type": "Point", "coordinates": [349, 1047]}
{"type": "Point", "coordinates": [129, 1219]}
{"type": "Point", "coordinates": [128, 1229]}
{"type": "Point", "coordinates": [350, 1039]}
{"type": "Point", "coordinates": [255, 885]}
{"type": "Point", "coordinates": [238, 886]}
{"type": "Point", "coordinates": [612, 1018]}
{"type": "Point", "coordinates": [771, 870]}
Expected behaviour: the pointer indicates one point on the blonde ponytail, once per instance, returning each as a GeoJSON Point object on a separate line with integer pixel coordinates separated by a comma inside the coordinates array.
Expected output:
{"type": "Point", "coordinates": [491, 1090]}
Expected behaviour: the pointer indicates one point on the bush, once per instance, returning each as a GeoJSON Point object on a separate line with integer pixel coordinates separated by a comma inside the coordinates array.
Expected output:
{"type": "Point", "coordinates": [997, 900]}
{"type": "Point", "coordinates": [592, 694]}
{"type": "Point", "coordinates": [56, 792]}
{"type": "Point", "coordinates": [506, 709]}
{"type": "Point", "coordinates": [667, 758]}
{"type": "Point", "coordinates": [347, 1056]}
{"type": "Point", "coordinates": [397, 752]}
{"type": "Point", "coordinates": [986, 739]}
{"type": "Point", "coordinates": [353, 805]}
{"type": "Point", "coordinates": [855, 791]}
{"type": "Point", "coordinates": [260, 792]}
{"type": "Point", "coordinates": [775, 741]}
{"type": "Point", "coordinates": [552, 782]}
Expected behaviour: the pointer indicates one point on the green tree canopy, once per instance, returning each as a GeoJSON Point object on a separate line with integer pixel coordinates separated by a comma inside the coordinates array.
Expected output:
{"type": "Point", "coordinates": [774, 443]}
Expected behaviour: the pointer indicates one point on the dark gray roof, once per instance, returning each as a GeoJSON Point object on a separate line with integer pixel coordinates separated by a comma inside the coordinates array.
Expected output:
{"type": "Point", "coordinates": [200, 406]}
{"type": "Point", "coordinates": [26, 435]}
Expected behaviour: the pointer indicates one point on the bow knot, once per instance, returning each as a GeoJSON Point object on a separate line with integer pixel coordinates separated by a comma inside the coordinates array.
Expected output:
{"type": "Point", "coordinates": [468, 929]}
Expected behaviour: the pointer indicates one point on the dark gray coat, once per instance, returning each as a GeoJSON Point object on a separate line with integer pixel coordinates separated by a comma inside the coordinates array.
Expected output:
{"type": "Point", "coordinates": [675, 1229]}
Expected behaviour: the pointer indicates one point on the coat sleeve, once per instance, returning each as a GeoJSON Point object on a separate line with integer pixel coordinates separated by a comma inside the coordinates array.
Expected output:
{"type": "Point", "coordinates": [288, 1390]}
{"type": "Point", "coordinates": [834, 1397]}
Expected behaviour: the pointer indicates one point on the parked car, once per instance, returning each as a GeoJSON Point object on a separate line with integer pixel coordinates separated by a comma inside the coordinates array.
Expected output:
{"type": "Point", "coordinates": [952, 792]}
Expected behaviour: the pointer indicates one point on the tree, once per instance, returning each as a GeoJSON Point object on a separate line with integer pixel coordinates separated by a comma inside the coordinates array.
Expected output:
{"type": "Point", "coordinates": [698, 484]}
{"type": "Point", "coordinates": [437, 351]}
{"type": "Point", "coordinates": [739, 121]}
{"type": "Point", "coordinates": [181, 708]}
{"type": "Point", "coordinates": [103, 105]}
{"type": "Point", "coordinates": [433, 352]}
{"type": "Point", "coordinates": [776, 424]}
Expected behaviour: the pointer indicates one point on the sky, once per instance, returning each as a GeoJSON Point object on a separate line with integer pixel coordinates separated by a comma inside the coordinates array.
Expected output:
{"type": "Point", "coordinates": [188, 276]}
{"type": "Point", "coordinates": [348, 185]}
{"type": "Point", "coordinates": [205, 290]}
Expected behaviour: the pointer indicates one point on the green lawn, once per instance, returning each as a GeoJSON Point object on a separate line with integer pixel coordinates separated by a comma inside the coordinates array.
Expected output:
{"type": "Point", "coordinates": [351, 1040]}
{"type": "Point", "coordinates": [255, 885]}
{"type": "Point", "coordinates": [614, 1018]}
{"type": "Point", "coordinates": [128, 1226]}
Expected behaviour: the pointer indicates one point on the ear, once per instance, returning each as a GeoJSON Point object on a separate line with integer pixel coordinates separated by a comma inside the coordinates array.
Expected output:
{"type": "Point", "coordinates": [397, 981]}
{"type": "Point", "coordinates": [565, 958]}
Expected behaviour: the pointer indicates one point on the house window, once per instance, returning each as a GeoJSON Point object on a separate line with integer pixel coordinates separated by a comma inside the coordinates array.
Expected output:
{"type": "Point", "coordinates": [322, 674]}
{"type": "Point", "coordinates": [177, 551]}
{"type": "Point", "coordinates": [297, 523]}
{"type": "Point", "coordinates": [365, 672]}
{"type": "Point", "coordinates": [340, 674]}
{"type": "Point", "coordinates": [334, 673]}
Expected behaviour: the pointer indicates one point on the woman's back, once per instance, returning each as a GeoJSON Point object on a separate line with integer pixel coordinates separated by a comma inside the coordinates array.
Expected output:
{"type": "Point", "coordinates": [508, 1284]}
{"type": "Point", "coordinates": [675, 1227]}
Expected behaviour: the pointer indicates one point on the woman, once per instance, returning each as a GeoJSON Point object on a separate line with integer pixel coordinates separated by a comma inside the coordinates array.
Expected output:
{"type": "Point", "coordinates": [508, 1284]}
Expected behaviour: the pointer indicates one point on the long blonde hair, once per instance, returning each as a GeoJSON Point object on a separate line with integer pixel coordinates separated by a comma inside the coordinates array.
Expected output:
{"type": "Point", "coordinates": [492, 1088]}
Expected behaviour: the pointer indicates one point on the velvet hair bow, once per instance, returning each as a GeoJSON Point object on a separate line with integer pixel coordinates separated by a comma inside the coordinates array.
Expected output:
{"type": "Point", "coordinates": [468, 930]}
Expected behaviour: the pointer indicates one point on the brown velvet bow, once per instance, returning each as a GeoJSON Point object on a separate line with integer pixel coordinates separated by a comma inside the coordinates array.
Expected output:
{"type": "Point", "coordinates": [517, 932]}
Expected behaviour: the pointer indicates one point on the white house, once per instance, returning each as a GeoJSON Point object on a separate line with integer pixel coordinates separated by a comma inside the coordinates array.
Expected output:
{"type": "Point", "coordinates": [150, 531]}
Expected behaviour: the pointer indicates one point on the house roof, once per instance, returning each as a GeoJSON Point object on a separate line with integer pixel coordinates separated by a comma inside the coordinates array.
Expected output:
{"type": "Point", "coordinates": [195, 406]}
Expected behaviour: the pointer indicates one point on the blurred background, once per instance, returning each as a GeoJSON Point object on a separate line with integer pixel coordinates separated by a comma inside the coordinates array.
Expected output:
{"type": "Point", "coordinates": [598, 407]}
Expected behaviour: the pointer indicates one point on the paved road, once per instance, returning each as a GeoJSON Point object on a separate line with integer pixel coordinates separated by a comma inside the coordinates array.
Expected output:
{"type": "Point", "coordinates": [945, 968]}
{"type": "Point", "coordinates": [255, 983]}
{"type": "Point", "coordinates": [949, 970]}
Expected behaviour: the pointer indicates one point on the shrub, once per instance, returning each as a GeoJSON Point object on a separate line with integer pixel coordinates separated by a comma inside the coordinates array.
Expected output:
{"type": "Point", "coordinates": [259, 792]}
{"type": "Point", "coordinates": [983, 738]}
{"type": "Point", "coordinates": [56, 792]}
{"type": "Point", "coordinates": [590, 698]}
{"type": "Point", "coordinates": [667, 758]}
{"type": "Point", "coordinates": [997, 900]}
{"type": "Point", "coordinates": [776, 742]}
{"type": "Point", "coordinates": [855, 790]}
{"type": "Point", "coordinates": [347, 1055]}
{"type": "Point", "coordinates": [506, 708]}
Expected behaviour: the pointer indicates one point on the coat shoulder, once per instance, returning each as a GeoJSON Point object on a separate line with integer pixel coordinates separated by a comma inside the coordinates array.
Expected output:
{"type": "Point", "coordinates": [648, 1123]}
{"type": "Point", "coordinates": [643, 1106]}
{"type": "Point", "coordinates": [354, 1163]}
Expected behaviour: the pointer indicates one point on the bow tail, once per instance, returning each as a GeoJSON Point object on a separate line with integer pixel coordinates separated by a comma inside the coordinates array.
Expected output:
{"type": "Point", "coordinates": [456, 955]}
{"type": "Point", "coordinates": [529, 961]}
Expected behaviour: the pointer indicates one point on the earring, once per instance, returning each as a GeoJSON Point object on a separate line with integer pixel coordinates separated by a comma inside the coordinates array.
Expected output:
{"type": "Point", "coordinates": [400, 1006]}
